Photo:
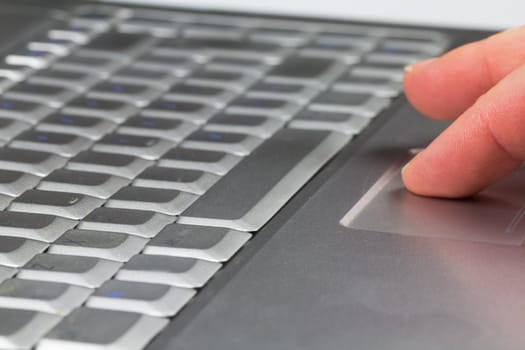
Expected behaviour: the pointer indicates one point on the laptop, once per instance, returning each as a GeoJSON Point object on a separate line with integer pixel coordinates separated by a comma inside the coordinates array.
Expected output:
{"type": "Point", "coordinates": [200, 175]}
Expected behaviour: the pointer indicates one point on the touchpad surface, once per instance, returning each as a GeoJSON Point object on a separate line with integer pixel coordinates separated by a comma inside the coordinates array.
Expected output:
{"type": "Point", "coordinates": [494, 215]}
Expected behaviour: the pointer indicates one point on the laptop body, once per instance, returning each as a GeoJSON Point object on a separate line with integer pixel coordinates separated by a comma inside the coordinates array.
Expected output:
{"type": "Point", "coordinates": [331, 270]}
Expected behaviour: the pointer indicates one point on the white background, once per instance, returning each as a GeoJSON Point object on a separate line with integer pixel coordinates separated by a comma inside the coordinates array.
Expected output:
{"type": "Point", "coordinates": [490, 14]}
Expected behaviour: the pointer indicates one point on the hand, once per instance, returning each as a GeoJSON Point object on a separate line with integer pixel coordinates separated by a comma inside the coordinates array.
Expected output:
{"type": "Point", "coordinates": [482, 86]}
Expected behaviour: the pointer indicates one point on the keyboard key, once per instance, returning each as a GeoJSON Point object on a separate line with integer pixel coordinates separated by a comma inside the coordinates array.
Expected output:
{"type": "Point", "coordinates": [195, 112]}
{"type": "Point", "coordinates": [13, 72]}
{"type": "Point", "coordinates": [23, 111]}
{"type": "Point", "coordinates": [107, 163]}
{"type": "Point", "coordinates": [138, 94]}
{"type": "Point", "coordinates": [237, 64]}
{"type": "Point", "coordinates": [140, 223]}
{"type": "Point", "coordinates": [52, 95]}
{"type": "Point", "coordinates": [46, 228]}
{"type": "Point", "coordinates": [178, 65]}
{"type": "Point", "coordinates": [280, 36]}
{"type": "Point", "coordinates": [6, 272]}
{"type": "Point", "coordinates": [379, 86]}
{"type": "Point", "coordinates": [199, 242]}
{"type": "Point", "coordinates": [204, 31]}
{"type": "Point", "coordinates": [91, 184]}
{"type": "Point", "coordinates": [219, 78]}
{"type": "Point", "coordinates": [21, 329]}
{"type": "Point", "coordinates": [288, 91]}
{"type": "Point", "coordinates": [30, 58]}
{"type": "Point", "coordinates": [16, 251]}
{"type": "Point", "coordinates": [340, 122]}
{"type": "Point", "coordinates": [271, 107]}
{"type": "Point", "coordinates": [87, 328]}
{"type": "Point", "coordinates": [14, 183]}
{"type": "Point", "coordinates": [159, 200]}
{"type": "Point", "coordinates": [75, 34]}
{"type": "Point", "coordinates": [349, 51]}
{"type": "Point", "coordinates": [216, 95]}
{"type": "Point", "coordinates": [169, 129]}
{"type": "Point", "coordinates": [34, 162]}
{"type": "Point", "coordinates": [210, 161]}
{"type": "Point", "coordinates": [9, 128]}
{"type": "Point", "coordinates": [78, 270]}
{"type": "Point", "coordinates": [113, 246]}
{"type": "Point", "coordinates": [154, 27]}
{"type": "Point", "coordinates": [192, 181]}
{"type": "Point", "coordinates": [70, 205]}
{"type": "Point", "coordinates": [392, 71]}
{"type": "Point", "coordinates": [90, 127]}
{"type": "Point", "coordinates": [54, 46]}
{"type": "Point", "coordinates": [49, 297]}
{"type": "Point", "coordinates": [65, 145]}
{"type": "Point", "coordinates": [173, 271]}
{"type": "Point", "coordinates": [239, 144]}
{"type": "Point", "coordinates": [306, 70]}
{"type": "Point", "coordinates": [146, 147]}
{"type": "Point", "coordinates": [113, 111]}
{"type": "Point", "coordinates": [256, 125]}
{"type": "Point", "coordinates": [71, 79]}
{"type": "Point", "coordinates": [103, 67]}
{"type": "Point", "coordinates": [295, 155]}
{"type": "Point", "coordinates": [362, 104]}
{"type": "Point", "coordinates": [114, 44]}
{"type": "Point", "coordinates": [135, 75]}
{"type": "Point", "coordinates": [145, 298]}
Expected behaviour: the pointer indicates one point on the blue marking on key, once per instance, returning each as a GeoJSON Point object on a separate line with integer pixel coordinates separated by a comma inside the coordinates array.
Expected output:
{"type": "Point", "coordinates": [7, 104]}
{"type": "Point", "coordinates": [67, 120]}
{"type": "Point", "coordinates": [36, 53]}
{"type": "Point", "coordinates": [115, 294]}
{"type": "Point", "coordinates": [149, 123]}
{"type": "Point", "coordinates": [214, 136]}
{"type": "Point", "coordinates": [43, 138]}
{"type": "Point", "coordinates": [92, 103]}
{"type": "Point", "coordinates": [170, 105]}
{"type": "Point", "coordinates": [118, 88]}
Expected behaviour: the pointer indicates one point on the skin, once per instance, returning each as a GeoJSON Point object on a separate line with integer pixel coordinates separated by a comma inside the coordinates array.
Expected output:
{"type": "Point", "coordinates": [481, 86]}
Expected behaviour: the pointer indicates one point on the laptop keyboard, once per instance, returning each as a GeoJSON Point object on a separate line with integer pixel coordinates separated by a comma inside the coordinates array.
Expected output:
{"type": "Point", "coordinates": [143, 149]}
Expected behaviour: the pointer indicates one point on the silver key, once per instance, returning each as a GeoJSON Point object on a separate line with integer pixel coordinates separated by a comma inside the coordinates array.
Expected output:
{"type": "Point", "coordinates": [102, 66]}
{"type": "Point", "coordinates": [52, 95]}
{"type": "Point", "coordinates": [65, 145]}
{"type": "Point", "coordinates": [140, 223]}
{"type": "Point", "coordinates": [365, 105]}
{"type": "Point", "coordinates": [160, 200]}
{"type": "Point", "coordinates": [135, 75]}
{"type": "Point", "coordinates": [34, 162]}
{"type": "Point", "coordinates": [216, 95]}
{"type": "Point", "coordinates": [56, 77]}
{"type": "Point", "coordinates": [24, 111]}
{"type": "Point", "coordinates": [114, 246]}
{"type": "Point", "coordinates": [239, 144]}
{"type": "Point", "coordinates": [6, 272]}
{"type": "Point", "coordinates": [146, 147]}
{"type": "Point", "coordinates": [21, 329]}
{"type": "Point", "coordinates": [78, 270]}
{"type": "Point", "coordinates": [192, 181]}
{"type": "Point", "coordinates": [14, 183]}
{"type": "Point", "coordinates": [345, 123]}
{"type": "Point", "coordinates": [97, 329]}
{"type": "Point", "coordinates": [145, 298]}
{"type": "Point", "coordinates": [178, 65]}
{"type": "Point", "coordinates": [14, 73]}
{"type": "Point", "coordinates": [207, 160]}
{"type": "Point", "coordinates": [108, 163]}
{"type": "Point", "coordinates": [170, 129]}
{"type": "Point", "coordinates": [30, 58]}
{"type": "Point", "coordinates": [174, 271]}
{"type": "Point", "coordinates": [199, 242]}
{"type": "Point", "coordinates": [50, 297]}
{"type": "Point", "coordinates": [90, 127]}
{"type": "Point", "coordinates": [289, 91]}
{"type": "Point", "coordinates": [255, 125]}
{"type": "Point", "coordinates": [391, 71]}
{"type": "Point", "coordinates": [5, 201]}
{"type": "Point", "coordinates": [46, 228]}
{"type": "Point", "coordinates": [113, 111]}
{"type": "Point", "coordinates": [214, 77]}
{"type": "Point", "coordinates": [53, 46]}
{"type": "Point", "coordinates": [137, 94]}
{"type": "Point", "coordinates": [16, 251]}
{"type": "Point", "coordinates": [91, 184]}
{"type": "Point", "coordinates": [195, 112]}
{"type": "Point", "coordinates": [9, 128]}
{"type": "Point", "coordinates": [70, 205]}
{"type": "Point", "coordinates": [76, 35]}
{"type": "Point", "coordinates": [379, 86]}
{"type": "Point", "coordinates": [272, 107]}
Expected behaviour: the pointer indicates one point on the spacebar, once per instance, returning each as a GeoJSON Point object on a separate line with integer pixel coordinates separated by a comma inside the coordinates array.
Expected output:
{"type": "Point", "coordinates": [254, 191]}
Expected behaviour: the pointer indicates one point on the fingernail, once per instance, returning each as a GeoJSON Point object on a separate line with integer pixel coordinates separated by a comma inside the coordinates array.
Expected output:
{"type": "Point", "coordinates": [418, 65]}
{"type": "Point", "coordinates": [405, 167]}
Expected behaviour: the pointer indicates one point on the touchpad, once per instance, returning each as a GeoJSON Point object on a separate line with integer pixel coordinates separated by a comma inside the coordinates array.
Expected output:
{"type": "Point", "coordinates": [494, 215]}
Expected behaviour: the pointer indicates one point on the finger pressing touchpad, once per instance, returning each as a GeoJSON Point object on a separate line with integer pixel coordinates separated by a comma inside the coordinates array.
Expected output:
{"type": "Point", "coordinates": [494, 215]}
